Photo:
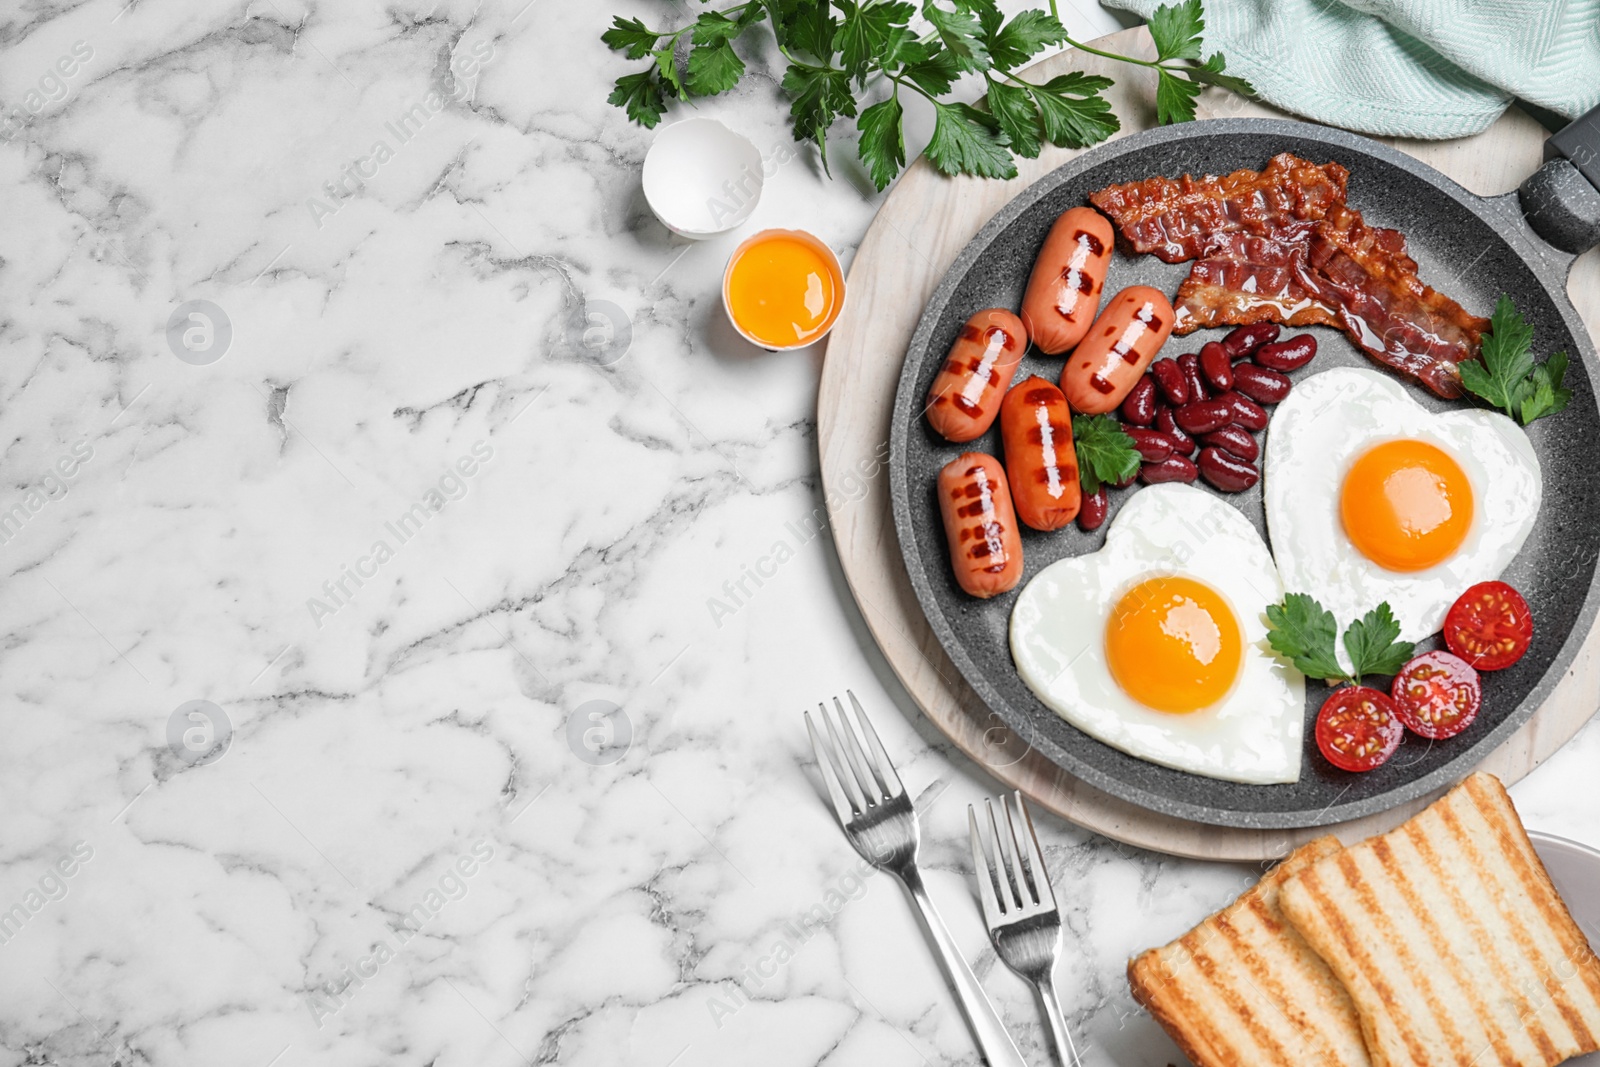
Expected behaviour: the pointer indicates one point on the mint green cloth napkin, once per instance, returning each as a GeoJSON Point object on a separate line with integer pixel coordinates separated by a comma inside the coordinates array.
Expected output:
{"type": "Point", "coordinates": [1411, 68]}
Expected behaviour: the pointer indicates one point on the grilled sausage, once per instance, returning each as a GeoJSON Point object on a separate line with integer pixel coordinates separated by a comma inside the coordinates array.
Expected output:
{"type": "Point", "coordinates": [1036, 426]}
{"type": "Point", "coordinates": [1064, 289]}
{"type": "Point", "coordinates": [966, 393]}
{"type": "Point", "coordinates": [985, 546]}
{"type": "Point", "coordinates": [1107, 364]}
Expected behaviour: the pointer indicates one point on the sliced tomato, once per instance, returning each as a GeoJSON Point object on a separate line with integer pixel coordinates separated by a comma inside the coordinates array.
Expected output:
{"type": "Point", "coordinates": [1489, 626]}
{"type": "Point", "coordinates": [1437, 695]}
{"type": "Point", "coordinates": [1357, 728]}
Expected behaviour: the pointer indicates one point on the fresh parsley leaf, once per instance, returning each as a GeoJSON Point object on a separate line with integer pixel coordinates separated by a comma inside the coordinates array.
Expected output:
{"type": "Point", "coordinates": [935, 74]}
{"type": "Point", "coordinates": [1506, 360]}
{"type": "Point", "coordinates": [807, 26]}
{"type": "Point", "coordinates": [641, 95]}
{"type": "Point", "coordinates": [901, 48]}
{"type": "Point", "coordinates": [1302, 631]}
{"type": "Point", "coordinates": [864, 32]}
{"type": "Point", "coordinates": [883, 141]}
{"type": "Point", "coordinates": [961, 33]}
{"type": "Point", "coordinates": [630, 37]}
{"type": "Point", "coordinates": [1549, 395]}
{"type": "Point", "coordinates": [713, 69]}
{"type": "Point", "coordinates": [989, 15]}
{"type": "Point", "coordinates": [819, 95]}
{"type": "Point", "coordinates": [1028, 33]}
{"type": "Point", "coordinates": [1175, 98]}
{"type": "Point", "coordinates": [966, 141]}
{"type": "Point", "coordinates": [1505, 374]}
{"type": "Point", "coordinates": [1373, 644]}
{"type": "Point", "coordinates": [714, 26]}
{"type": "Point", "coordinates": [1211, 72]}
{"type": "Point", "coordinates": [1105, 452]}
{"type": "Point", "coordinates": [1074, 114]}
{"type": "Point", "coordinates": [1014, 110]}
{"type": "Point", "coordinates": [1176, 29]}
{"type": "Point", "coordinates": [667, 67]}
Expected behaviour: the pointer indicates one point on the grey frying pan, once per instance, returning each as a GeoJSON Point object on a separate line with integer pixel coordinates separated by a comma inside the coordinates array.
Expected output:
{"type": "Point", "coordinates": [1471, 247]}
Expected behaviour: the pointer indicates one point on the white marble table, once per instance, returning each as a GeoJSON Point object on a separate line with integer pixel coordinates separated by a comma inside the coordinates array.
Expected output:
{"type": "Point", "coordinates": [408, 524]}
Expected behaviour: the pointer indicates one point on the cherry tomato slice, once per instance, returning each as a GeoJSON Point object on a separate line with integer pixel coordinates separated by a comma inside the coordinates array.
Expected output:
{"type": "Point", "coordinates": [1437, 695]}
{"type": "Point", "coordinates": [1357, 728]}
{"type": "Point", "coordinates": [1489, 626]}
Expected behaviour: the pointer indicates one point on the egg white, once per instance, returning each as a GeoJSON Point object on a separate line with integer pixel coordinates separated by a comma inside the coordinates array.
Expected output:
{"type": "Point", "coordinates": [1058, 640]}
{"type": "Point", "coordinates": [1325, 425]}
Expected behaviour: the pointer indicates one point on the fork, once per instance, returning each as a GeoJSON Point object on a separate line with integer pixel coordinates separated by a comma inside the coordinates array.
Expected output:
{"type": "Point", "coordinates": [1020, 910]}
{"type": "Point", "coordinates": [877, 817]}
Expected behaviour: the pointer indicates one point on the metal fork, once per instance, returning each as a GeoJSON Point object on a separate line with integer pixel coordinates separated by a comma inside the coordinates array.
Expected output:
{"type": "Point", "coordinates": [876, 814]}
{"type": "Point", "coordinates": [1020, 910]}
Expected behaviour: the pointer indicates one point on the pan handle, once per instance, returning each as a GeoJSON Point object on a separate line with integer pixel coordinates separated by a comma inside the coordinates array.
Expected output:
{"type": "Point", "coordinates": [1562, 198]}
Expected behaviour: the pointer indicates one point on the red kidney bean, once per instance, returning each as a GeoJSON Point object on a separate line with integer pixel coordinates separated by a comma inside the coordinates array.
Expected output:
{"type": "Point", "coordinates": [1092, 512]}
{"type": "Point", "coordinates": [1244, 411]}
{"type": "Point", "coordinates": [1292, 354]}
{"type": "Point", "coordinates": [1171, 469]}
{"type": "Point", "coordinates": [1246, 339]}
{"type": "Point", "coordinates": [1227, 472]}
{"type": "Point", "coordinates": [1216, 366]}
{"type": "Point", "coordinates": [1260, 384]}
{"type": "Point", "coordinates": [1152, 445]}
{"type": "Point", "coordinates": [1169, 376]}
{"type": "Point", "coordinates": [1234, 439]}
{"type": "Point", "coordinates": [1129, 480]}
{"type": "Point", "coordinates": [1203, 416]}
{"type": "Point", "coordinates": [1182, 443]}
{"type": "Point", "coordinates": [1189, 363]}
{"type": "Point", "coordinates": [1140, 406]}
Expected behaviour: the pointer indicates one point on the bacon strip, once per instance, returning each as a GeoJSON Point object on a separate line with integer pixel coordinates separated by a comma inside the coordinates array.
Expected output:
{"type": "Point", "coordinates": [1176, 218]}
{"type": "Point", "coordinates": [1365, 273]}
{"type": "Point", "coordinates": [1242, 279]}
{"type": "Point", "coordinates": [1282, 246]}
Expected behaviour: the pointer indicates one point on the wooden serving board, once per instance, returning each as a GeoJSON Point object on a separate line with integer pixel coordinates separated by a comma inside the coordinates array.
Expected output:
{"type": "Point", "coordinates": [924, 222]}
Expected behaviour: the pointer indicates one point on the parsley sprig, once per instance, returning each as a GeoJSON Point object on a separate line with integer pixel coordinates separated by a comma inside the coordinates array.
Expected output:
{"type": "Point", "coordinates": [1303, 631]}
{"type": "Point", "coordinates": [1507, 376]}
{"type": "Point", "coordinates": [836, 49]}
{"type": "Point", "coordinates": [1105, 452]}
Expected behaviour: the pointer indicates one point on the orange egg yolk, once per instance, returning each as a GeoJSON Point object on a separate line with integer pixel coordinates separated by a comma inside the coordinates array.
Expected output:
{"type": "Point", "coordinates": [782, 291]}
{"type": "Point", "coordinates": [1174, 644]}
{"type": "Point", "coordinates": [1406, 505]}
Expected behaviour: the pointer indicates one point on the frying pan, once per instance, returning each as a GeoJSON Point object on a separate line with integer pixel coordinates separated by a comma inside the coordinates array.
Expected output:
{"type": "Point", "coordinates": [1470, 247]}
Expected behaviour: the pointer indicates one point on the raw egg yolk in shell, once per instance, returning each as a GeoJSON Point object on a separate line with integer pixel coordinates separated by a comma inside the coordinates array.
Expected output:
{"type": "Point", "coordinates": [782, 291]}
{"type": "Point", "coordinates": [1173, 644]}
{"type": "Point", "coordinates": [1406, 505]}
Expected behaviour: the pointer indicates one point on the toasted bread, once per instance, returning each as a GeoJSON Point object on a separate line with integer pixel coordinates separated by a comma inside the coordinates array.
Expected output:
{"type": "Point", "coordinates": [1451, 940]}
{"type": "Point", "coordinates": [1243, 988]}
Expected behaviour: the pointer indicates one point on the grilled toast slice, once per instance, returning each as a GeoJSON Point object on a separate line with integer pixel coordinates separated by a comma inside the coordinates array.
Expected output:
{"type": "Point", "coordinates": [1451, 940]}
{"type": "Point", "coordinates": [1244, 988]}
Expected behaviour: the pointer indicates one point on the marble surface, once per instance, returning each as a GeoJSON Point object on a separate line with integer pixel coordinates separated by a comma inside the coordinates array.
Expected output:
{"type": "Point", "coordinates": [364, 700]}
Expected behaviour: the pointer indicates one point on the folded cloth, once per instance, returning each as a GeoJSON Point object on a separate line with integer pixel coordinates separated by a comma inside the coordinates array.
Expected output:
{"type": "Point", "coordinates": [1408, 68]}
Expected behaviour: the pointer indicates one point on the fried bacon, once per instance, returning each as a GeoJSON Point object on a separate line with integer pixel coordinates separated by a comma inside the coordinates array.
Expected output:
{"type": "Point", "coordinates": [1282, 246]}
{"type": "Point", "coordinates": [1365, 273]}
{"type": "Point", "coordinates": [1242, 279]}
{"type": "Point", "coordinates": [1176, 218]}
